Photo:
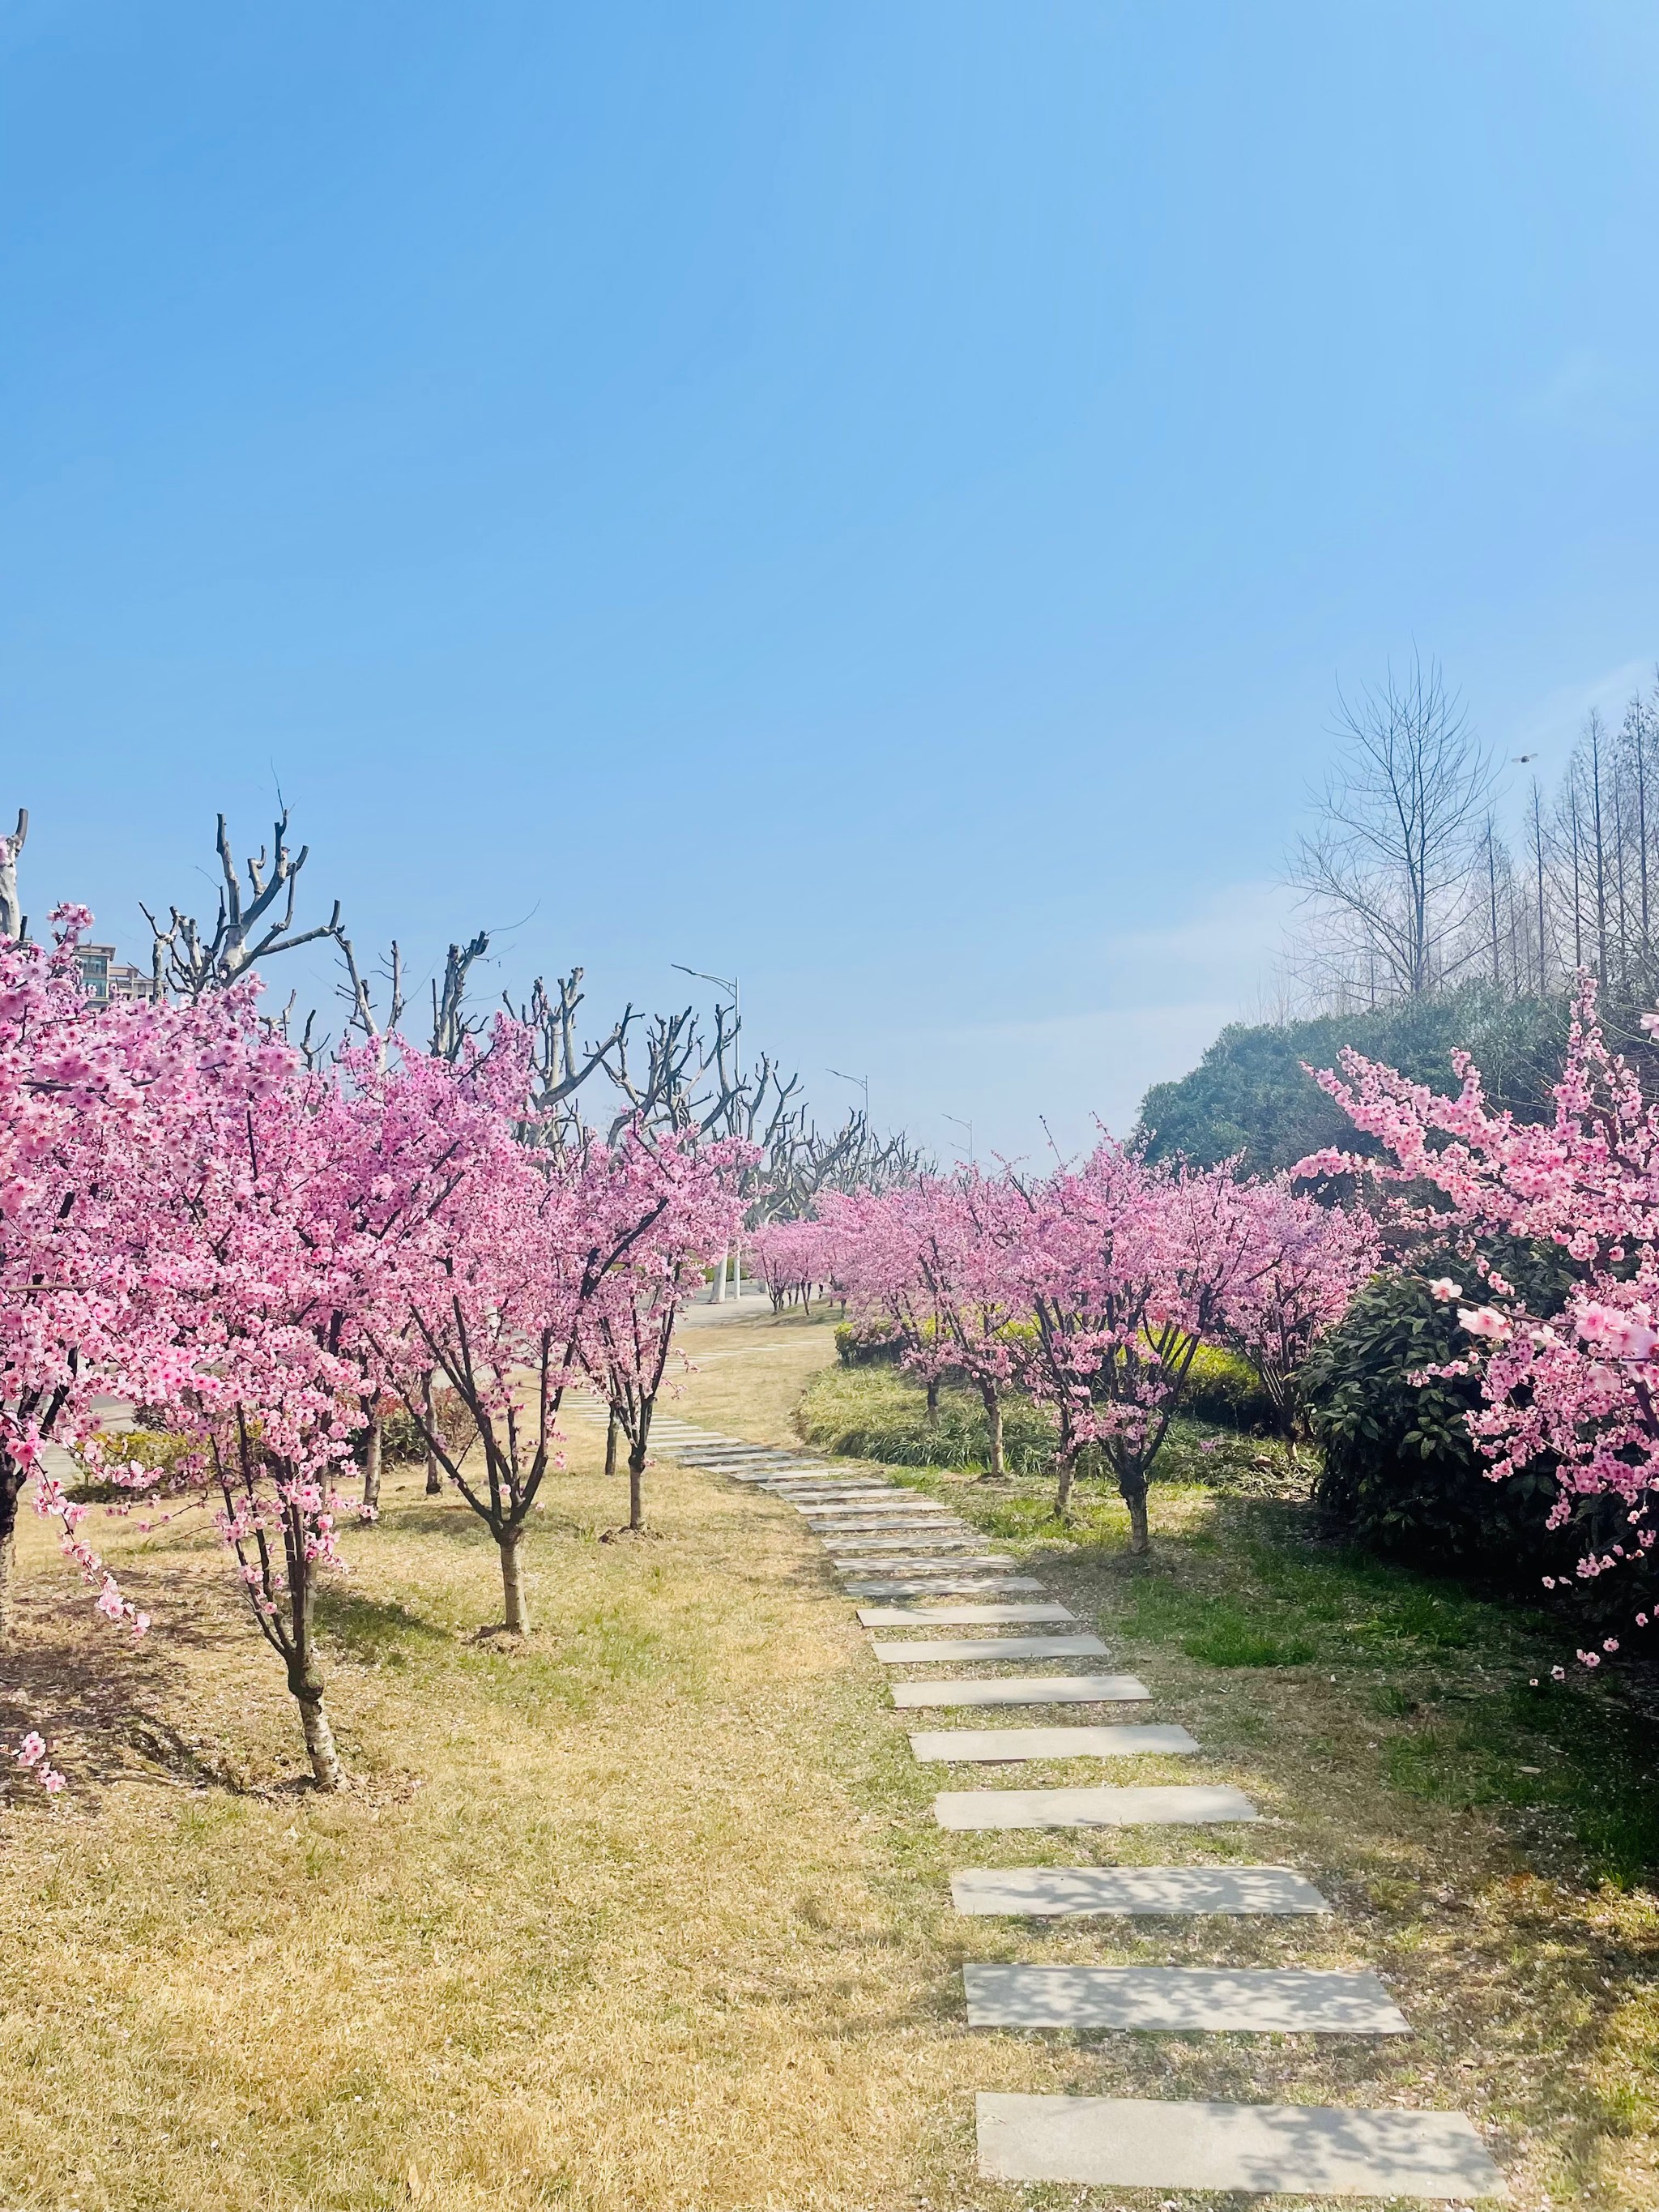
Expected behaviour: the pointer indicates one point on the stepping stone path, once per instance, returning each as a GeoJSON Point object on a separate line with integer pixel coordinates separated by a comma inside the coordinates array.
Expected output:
{"type": "Point", "coordinates": [1184, 1805]}
{"type": "Point", "coordinates": [1021, 1690]}
{"type": "Point", "coordinates": [1180, 2000]}
{"type": "Point", "coordinates": [957, 1616]}
{"type": "Point", "coordinates": [1074, 1893]}
{"type": "Point", "coordinates": [962, 1648]}
{"type": "Point", "coordinates": [1101, 2142]}
{"type": "Point", "coordinates": [1017, 1743]}
{"type": "Point", "coordinates": [1301, 2150]}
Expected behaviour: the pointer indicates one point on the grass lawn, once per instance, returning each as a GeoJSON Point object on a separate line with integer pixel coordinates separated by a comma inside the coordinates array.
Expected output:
{"type": "Point", "coordinates": [648, 1910]}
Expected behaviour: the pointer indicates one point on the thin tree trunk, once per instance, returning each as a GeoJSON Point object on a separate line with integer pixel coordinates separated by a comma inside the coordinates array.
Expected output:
{"type": "Point", "coordinates": [434, 1478]}
{"type": "Point", "coordinates": [373, 1455]}
{"type": "Point", "coordinates": [610, 1444]}
{"type": "Point", "coordinates": [518, 1614]}
{"type": "Point", "coordinates": [932, 1402]}
{"type": "Point", "coordinates": [637, 1487]}
{"type": "Point", "coordinates": [993, 1422]}
{"type": "Point", "coordinates": [1063, 1495]}
{"type": "Point", "coordinates": [1139, 1541]}
{"type": "Point", "coordinates": [305, 1679]}
{"type": "Point", "coordinates": [8, 1576]}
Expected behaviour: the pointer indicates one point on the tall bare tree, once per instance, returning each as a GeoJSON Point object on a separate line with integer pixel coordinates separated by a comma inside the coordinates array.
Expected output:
{"type": "Point", "coordinates": [250, 926]}
{"type": "Point", "coordinates": [1394, 872]}
{"type": "Point", "coordinates": [11, 911]}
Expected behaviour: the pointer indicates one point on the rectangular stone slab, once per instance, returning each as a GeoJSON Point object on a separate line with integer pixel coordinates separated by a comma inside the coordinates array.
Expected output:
{"type": "Point", "coordinates": [1084, 1742]}
{"type": "Point", "coordinates": [987, 1563]}
{"type": "Point", "coordinates": [1078, 1893]}
{"type": "Point", "coordinates": [1021, 1690]}
{"type": "Point", "coordinates": [1182, 1999]}
{"type": "Point", "coordinates": [1173, 1804]}
{"type": "Point", "coordinates": [893, 1524]}
{"type": "Point", "coordinates": [855, 1513]}
{"type": "Point", "coordinates": [929, 1540]}
{"type": "Point", "coordinates": [959, 1650]}
{"type": "Point", "coordinates": [1305, 2150]}
{"type": "Point", "coordinates": [957, 1616]}
{"type": "Point", "coordinates": [912, 1589]}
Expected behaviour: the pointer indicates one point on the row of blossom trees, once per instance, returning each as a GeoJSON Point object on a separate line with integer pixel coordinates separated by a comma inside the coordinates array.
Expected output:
{"type": "Point", "coordinates": [267, 1253]}
{"type": "Point", "coordinates": [1091, 1290]}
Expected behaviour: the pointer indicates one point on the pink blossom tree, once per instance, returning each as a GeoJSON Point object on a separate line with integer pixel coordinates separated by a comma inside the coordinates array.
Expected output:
{"type": "Point", "coordinates": [1127, 1267]}
{"type": "Point", "coordinates": [689, 1193]}
{"type": "Point", "coordinates": [1578, 1392]}
{"type": "Point", "coordinates": [1309, 1261]}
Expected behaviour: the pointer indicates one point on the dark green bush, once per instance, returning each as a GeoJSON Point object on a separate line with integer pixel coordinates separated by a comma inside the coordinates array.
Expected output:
{"type": "Point", "coordinates": [1401, 1470]}
{"type": "Point", "coordinates": [868, 1343]}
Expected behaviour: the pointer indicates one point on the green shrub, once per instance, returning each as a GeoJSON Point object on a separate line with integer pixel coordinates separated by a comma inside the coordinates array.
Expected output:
{"type": "Point", "coordinates": [1401, 1469]}
{"type": "Point", "coordinates": [868, 1343]}
{"type": "Point", "coordinates": [1225, 1392]}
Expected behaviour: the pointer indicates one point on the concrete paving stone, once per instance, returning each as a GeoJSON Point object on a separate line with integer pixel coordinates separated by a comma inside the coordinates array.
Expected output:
{"type": "Point", "coordinates": [859, 1505]}
{"type": "Point", "coordinates": [862, 1526]}
{"type": "Point", "coordinates": [983, 1585]}
{"type": "Point", "coordinates": [1305, 2150]}
{"type": "Point", "coordinates": [1182, 1999]}
{"type": "Point", "coordinates": [1172, 1805]}
{"type": "Point", "coordinates": [940, 1540]}
{"type": "Point", "coordinates": [959, 1616]}
{"type": "Point", "coordinates": [1106, 1741]}
{"type": "Point", "coordinates": [1078, 1893]}
{"type": "Point", "coordinates": [1021, 1690]}
{"type": "Point", "coordinates": [959, 1650]}
{"type": "Point", "coordinates": [985, 1562]}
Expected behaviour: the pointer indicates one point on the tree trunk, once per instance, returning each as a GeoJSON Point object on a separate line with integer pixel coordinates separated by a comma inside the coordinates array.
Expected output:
{"type": "Point", "coordinates": [11, 1490]}
{"type": "Point", "coordinates": [373, 1455]}
{"type": "Point", "coordinates": [305, 1679]}
{"type": "Point", "coordinates": [319, 1742]}
{"type": "Point", "coordinates": [1140, 1542]}
{"type": "Point", "coordinates": [1063, 1497]}
{"type": "Point", "coordinates": [610, 1444]}
{"type": "Point", "coordinates": [993, 1422]}
{"type": "Point", "coordinates": [932, 1402]}
{"type": "Point", "coordinates": [435, 1477]}
{"type": "Point", "coordinates": [518, 1614]}
{"type": "Point", "coordinates": [636, 1488]}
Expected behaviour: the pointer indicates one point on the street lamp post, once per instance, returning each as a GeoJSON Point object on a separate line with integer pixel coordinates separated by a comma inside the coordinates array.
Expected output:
{"type": "Point", "coordinates": [725, 983]}
{"type": "Point", "coordinates": [968, 1126]}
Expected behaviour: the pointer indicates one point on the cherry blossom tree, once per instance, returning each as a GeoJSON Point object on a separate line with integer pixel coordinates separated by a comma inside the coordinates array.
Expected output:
{"type": "Point", "coordinates": [625, 1334]}
{"type": "Point", "coordinates": [1127, 1268]}
{"type": "Point", "coordinates": [1577, 1391]}
{"type": "Point", "coordinates": [1309, 1261]}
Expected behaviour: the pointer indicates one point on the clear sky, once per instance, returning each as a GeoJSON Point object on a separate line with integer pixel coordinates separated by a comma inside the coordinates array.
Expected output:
{"type": "Point", "coordinates": [877, 497]}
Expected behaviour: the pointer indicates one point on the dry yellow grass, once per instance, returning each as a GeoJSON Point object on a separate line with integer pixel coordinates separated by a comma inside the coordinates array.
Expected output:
{"type": "Point", "coordinates": [649, 1911]}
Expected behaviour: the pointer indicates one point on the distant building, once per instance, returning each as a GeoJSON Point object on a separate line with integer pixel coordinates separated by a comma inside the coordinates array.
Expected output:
{"type": "Point", "coordinates": [107, 980]}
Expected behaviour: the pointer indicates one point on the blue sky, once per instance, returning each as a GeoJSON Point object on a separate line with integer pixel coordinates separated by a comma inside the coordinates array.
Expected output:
{"type": "Point", "coordinates": [879, 498]}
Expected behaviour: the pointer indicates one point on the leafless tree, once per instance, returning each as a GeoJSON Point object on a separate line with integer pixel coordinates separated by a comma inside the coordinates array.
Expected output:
{"type": "Point", "coordinates": [1393, 871]}
{"type": "Point", "coordinates": [364, 1018]}
{"type": "Point", "coordinates": [249, 927]}
{"type": "Point", "coordinates": [452, 1025]}
{"type": "Point", "coordinates": [11, 912]}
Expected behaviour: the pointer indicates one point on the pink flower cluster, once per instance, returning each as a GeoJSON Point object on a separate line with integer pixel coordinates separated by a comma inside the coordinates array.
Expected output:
{"type": "Point", "coordinates": [1579, 1395]}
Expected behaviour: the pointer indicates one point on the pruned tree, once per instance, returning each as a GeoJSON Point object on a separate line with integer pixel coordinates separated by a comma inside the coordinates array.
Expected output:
{"type": "Point", "coordinates": [1393, 871]}
{"type": "Point", "coordinates": [452, 1025]}
{"type": "Point", "coordinates": [250, 926]}
{"type": "Point", "coordinates": [11, 911]}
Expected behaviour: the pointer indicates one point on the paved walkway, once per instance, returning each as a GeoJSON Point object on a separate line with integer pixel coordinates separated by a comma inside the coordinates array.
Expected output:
{"type": "Point", "coordinates": [1121, 2142]}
